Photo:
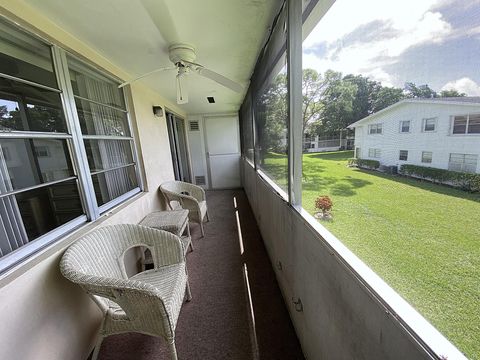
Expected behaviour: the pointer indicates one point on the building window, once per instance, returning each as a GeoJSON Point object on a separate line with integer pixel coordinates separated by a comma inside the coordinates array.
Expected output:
{"type": "Point", "coordinates": [44, 189]}
{"type": "Point", "coordinates": [473, 124]}
{"type": "Point", "coordinates": [375, 129]}
{"type": "Point", "coordinates": [105, 132]}
{"type": "Point", "coordinates": [466, 124]}
{"type": "Point", "coordinates": [460, 124]}
{"type": "Point", "coordinates": [427, 157]}
{"type": "Point", "coordinates": [38, 184]}
{"type": "Point", "coordinates": [405, 126]}
{"type": "Point", "coordinates": [403, 155]}
{"type": "Point", "coordinates": [312, 146]}
{"type": "Point", "coordinates": [430, 124]}
{"type": "Point", "coordinates": [374, 153]}
{"type": "Point", "coordinates": [463, 162]}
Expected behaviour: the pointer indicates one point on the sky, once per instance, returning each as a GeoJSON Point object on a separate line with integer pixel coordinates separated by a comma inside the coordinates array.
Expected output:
{"type": "Point", "coordinates": [434, 42]}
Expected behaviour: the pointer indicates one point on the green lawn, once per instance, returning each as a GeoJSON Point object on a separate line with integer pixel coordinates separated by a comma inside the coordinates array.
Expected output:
{"type": "Point", "coordinates": [422, 239]}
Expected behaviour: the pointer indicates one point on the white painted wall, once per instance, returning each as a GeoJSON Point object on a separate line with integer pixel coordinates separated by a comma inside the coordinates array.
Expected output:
{"type": "Point", "coordinates": [43, 315]}
{"type": "Point", "coordinates": [441, 142]}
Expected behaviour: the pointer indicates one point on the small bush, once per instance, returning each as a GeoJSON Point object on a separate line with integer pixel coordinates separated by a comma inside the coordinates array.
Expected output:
{"type": "Point", "coordinates": [364, 163]}
{"type": "Point", "coordinates": [324, 203]}
{"type": "Point", "coordinates": [466, 181]}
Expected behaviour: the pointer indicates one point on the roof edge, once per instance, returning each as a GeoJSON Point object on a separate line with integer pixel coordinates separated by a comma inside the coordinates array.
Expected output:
{"type": "Point", "coordinates": [410, 101]}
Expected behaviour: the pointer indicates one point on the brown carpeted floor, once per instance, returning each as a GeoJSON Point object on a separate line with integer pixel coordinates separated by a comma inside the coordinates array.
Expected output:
{"type": "Point", "coordinates": [217, 323]}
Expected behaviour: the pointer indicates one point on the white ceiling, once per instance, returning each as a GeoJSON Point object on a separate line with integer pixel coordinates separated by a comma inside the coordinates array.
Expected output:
{"type": "Point", "coordinates": [135, 35]}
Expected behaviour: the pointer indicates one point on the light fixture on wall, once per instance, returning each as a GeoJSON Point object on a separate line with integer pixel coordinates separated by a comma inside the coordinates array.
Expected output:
{"type": "Point", "coordinates": [158, 111]}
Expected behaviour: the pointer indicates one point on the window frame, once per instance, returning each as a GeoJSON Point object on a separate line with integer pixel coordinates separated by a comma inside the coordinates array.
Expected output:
{"type": "Point", "coordinates": [423, 157]}
{"type": "Point", "coordinates": [463, 163]}
{"type": "Point", "coordinates": [101, 209]}
{"type": "Point", "coordinates": [76, 152]}
{"type": "Point", "coordinates": [376, 126]}
{"type": "Point", "coordinates": [424, 124]}
{"type": "Point", "coordinates": [400, 155]}
{"type": "Point", "coordinates": [409, 127]}
{"type": "Point", "coordinates": [377, 153]}
{"type": "Point", "coordinates": [467, 125]}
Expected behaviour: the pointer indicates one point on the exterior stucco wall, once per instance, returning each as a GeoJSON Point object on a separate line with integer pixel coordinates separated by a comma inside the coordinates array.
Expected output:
{"type": "Point", "coordinates": [441, 142]}
{"type": "Point", "coordinates": [43, 315]}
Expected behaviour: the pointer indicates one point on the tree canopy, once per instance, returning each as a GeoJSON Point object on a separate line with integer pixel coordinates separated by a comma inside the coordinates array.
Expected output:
{"type": "Point", "coordinates": [331, 102]}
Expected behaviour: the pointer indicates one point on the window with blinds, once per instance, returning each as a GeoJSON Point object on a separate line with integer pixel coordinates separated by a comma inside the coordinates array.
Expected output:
{"type": "Point", "coordinates": [46, 148]}
{"type": "Point", "coordinates": [466, 124]}
{"type": "Point", "coordinates": [463, 162]}
{"type": "Point", "coordinates": [38, 183]}
{"type": "Point", "coordinates": [105, 132]}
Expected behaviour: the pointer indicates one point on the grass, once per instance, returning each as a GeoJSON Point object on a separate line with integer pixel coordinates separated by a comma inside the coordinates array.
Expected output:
{"type": "Point", "coordinates": [422, 239]}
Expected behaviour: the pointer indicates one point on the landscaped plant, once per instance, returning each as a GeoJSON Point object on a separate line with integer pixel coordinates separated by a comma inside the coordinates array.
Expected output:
{"type": "Point", "coordinates": [465, 181]}
{"type": "Point", "coordinates": [364, 163]}
{"type": "Point", "coordinates": [324, 204]}
{"type": "Point", "coordinates": [352, 162]}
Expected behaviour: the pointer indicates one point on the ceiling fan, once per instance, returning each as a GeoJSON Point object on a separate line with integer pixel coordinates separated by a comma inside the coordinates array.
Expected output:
{"type": "Point", "coordinates": [183, 57]}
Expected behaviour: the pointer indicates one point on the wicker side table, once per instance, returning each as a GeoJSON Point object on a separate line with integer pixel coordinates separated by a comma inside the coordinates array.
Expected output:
{"type": "Point", "coordinates": [174, 221]}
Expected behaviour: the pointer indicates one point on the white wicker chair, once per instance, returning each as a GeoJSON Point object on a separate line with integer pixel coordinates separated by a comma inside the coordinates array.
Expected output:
{"type": "Point", "coordinates": [148, 302]}
{"type": "Point", "coordinates": [189, 196]}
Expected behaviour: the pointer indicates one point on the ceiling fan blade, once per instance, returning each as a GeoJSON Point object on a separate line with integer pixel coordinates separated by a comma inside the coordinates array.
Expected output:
{"type": "Point", "coordinates": [182, 94]}
{"type": "Point", "coordinates": [147, 74]}
{"type": "Point", "coordinates": [222, 80]}
{"type": "Point", "coordinates": [162, 19]}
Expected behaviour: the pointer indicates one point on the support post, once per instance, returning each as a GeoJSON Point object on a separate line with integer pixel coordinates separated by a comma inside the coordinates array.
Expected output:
{"type": "Point", "coordinates": [295, 125]}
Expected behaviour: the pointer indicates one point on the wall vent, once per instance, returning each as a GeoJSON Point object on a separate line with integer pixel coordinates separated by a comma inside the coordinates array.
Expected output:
{"type": "Point", "coordinates": [211, 99]}
{"type": "Point", "coordinates": [194, 126]}
{"type": "Point", "coordinates": [200, 180]}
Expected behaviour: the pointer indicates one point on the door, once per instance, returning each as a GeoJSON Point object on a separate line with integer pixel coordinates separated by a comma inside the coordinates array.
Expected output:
{"type": "Point", "coordinates": [178, 147]}
{"type": "Point", "coordinates": [223, 151]}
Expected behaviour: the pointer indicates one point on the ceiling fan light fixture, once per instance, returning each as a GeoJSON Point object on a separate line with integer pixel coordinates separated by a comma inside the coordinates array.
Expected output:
{"type": "Point", "coordinates": [183, 57]}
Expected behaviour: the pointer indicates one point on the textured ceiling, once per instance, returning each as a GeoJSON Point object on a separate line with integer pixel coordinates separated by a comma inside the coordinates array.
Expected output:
{"type": "Point", "coordinates": [135, 34]}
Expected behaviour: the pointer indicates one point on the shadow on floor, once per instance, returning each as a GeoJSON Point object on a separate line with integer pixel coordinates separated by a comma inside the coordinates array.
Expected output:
{"type": "Point", "coordinates": [218, 322]}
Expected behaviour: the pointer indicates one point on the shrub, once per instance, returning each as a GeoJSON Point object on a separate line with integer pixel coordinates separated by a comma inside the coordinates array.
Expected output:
{"type": "Point", "coordinates": [466, 181]}
{"type": "Point", "coordinates": [323, 203]}
{"type": "Point", "coordinates": [364, 163]}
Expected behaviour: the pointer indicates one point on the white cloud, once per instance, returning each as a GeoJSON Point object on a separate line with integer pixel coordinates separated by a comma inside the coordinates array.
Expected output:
{"type": "Point", "coordinates": [409, 23]}
{"type": "Point", "coordinates": [463, 85]}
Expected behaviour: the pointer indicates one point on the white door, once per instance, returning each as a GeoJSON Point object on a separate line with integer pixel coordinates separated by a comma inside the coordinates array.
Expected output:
{"type": "Point", "coordinates": [223, 151]}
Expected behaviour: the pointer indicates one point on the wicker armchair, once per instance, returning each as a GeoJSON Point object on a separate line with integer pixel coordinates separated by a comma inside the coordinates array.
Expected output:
{"type": "Point", "coordinates": [148, 302]}
{"type": "Point", "coordinates": [188, 196]}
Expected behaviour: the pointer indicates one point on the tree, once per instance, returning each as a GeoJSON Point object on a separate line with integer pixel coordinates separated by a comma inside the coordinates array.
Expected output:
{"type": "Point", "coordinates": [347, 99]}
{"type": "Point", "coordinates": [385, 97]}
{"type": "Point", "coordinates": [451, 93]}
{"type": "Point", "coordinates": [422, 91]}
{"type": "Point", "coordinates": [366, 93]}
{"type": "Point", "coordinates": [337, 101]}
{"type": "Point", "coordinates": [313, 86]}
